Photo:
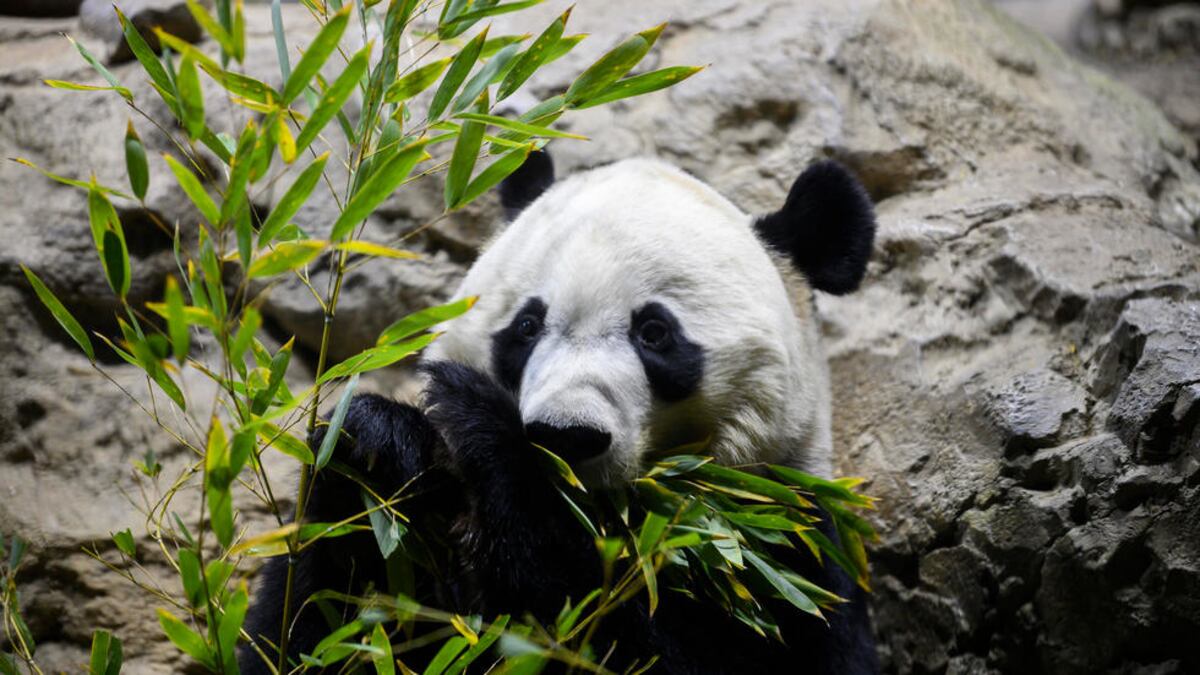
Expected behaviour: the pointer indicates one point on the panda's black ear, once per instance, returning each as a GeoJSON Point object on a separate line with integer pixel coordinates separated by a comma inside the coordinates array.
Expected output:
{"type": "Point", "coordinates": [826, 227]}
{"type": "Point", "coordinates": [527, 183]}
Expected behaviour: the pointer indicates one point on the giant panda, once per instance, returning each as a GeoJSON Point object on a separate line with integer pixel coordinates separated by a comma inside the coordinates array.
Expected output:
{"type": "Point", "coordinates": [622, 311]}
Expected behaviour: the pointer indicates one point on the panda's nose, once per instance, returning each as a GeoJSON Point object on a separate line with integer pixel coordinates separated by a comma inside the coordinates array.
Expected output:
{"type": "Point", "coordinates": [573, 443]}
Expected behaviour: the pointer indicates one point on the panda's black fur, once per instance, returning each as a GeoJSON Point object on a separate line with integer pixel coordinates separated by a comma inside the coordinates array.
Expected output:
{"type": "Point", "coordinates": [466, 461]}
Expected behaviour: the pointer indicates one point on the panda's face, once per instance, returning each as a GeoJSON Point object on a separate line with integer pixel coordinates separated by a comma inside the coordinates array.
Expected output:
{"type": "Point", "coordinates": [632, 310]}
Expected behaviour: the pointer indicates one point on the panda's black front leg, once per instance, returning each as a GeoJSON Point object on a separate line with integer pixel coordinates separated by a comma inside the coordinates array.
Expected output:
{"type": "Point", "coordinates": [525, 550]}
{"type": "Point", "coordinates": [387, 443]}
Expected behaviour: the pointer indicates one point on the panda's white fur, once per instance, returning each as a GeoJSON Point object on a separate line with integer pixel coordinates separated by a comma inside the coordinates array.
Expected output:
{"type": "Point", "coordinates": [600, 244]}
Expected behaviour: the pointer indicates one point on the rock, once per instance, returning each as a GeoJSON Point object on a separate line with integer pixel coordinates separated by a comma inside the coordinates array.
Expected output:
{"type": "Point", "coordinates": [1016, 381]}
{"type": "Point", "coordinates": [98, 18]}
{"type": "Point", "coordinates": [39, 8]}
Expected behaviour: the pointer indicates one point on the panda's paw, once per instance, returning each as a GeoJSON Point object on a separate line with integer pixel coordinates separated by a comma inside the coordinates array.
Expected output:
{"type": "Point", "coordinates": [478, 419]}
{"type": "Point", "coordinates": [382, 438]}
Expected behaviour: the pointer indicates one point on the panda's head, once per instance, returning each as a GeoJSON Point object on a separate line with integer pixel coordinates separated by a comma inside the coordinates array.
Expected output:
{"type": "Point", "coordinates": [632, 310]}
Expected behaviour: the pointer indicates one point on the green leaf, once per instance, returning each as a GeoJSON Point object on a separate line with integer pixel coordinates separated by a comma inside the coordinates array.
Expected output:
{"type": "Point", "coordinates": [285, 443]}
{"type": "Point", "coordinates": [459, 24]}
{"type": "Point", "coordinates": [231, 623]}
{"type": "Point", "coordinates": [496, 172]}
{"type": "Point", "coordinates": [71, 181]}
{"type": "Point", "coordinates": [610, 67]}
{"type": "Point", "coordinates": [383, 181]}
{"type": "Point", "coordinates": [60, 313]}
{"type": "Point", "coordinates": [493, 70]}
{"type": "Point", "coordinates": [641, 84]}
{"type": "Point", "coordinates": [191, 97]}
{"type": "Point", "coordinates": [424, 320]}
{"type": "Point", "coordinates": [334, 98]}
{"type": "Point", "coordinates": [416, 81]}
{"type": "Point", "coordinates": [383, 524]}
{"type": "Point", "coordinates": [75, 86]}
{"type": "Point", "coordinates": [187, 640]}
{"type": "Point", "coordinates": [450, 650]}
{"type": "Point", "coordinates": [463, 62]}
{"type": "Point", "coordinates": [334, 429]}
{"type": "Point", "coordinates": [292, 200]}
{"type": "Point", "coordinates": [210, 26]}
{"type": "Point", "coordinates": [220, 509]}
{"type": "Point", "coordinates": [106, 656]}
{"type": "Point", "coordinates": [376, 250]}
{"type": "Point", "coordinates": [385, 662]}
{"type": "Point", "coordinates": [462, 162]}
{"type": "Point", "coordinates": [377, 357]}
{"type": "Point", "coordinates": [286, 256]}
{"type": "Point", "coordinates": [749, 483]}
{"type": "Point", "coordinates": [531, 59]}
{"type": "Point", "coordinates": [195, 191]}
{"type": "Point", "coordinates": [519, 127]}
{"type": "Point", "coordinates": [316, 55]}
{"type": "Point", "coordinates": [190, 574]}
{"type": "Point", "coordinates": [124, 542]}
{"type": "Point", "coordinates": [282, 134]}
{"type": "Point", "coordinates": [135, 163]}
{"type": "Point", "coordinates": [281, 50]}
{"type": "Point", "coordinates": [781, 584]}
{"type": "Point", "coordinates": [99, 68]}
{"type": "Point", "coordinates": [110, 242]}
{"type": "Point", "coordinates": [149, 60]}
{"type": "Point", "coordinates": [486, 640]}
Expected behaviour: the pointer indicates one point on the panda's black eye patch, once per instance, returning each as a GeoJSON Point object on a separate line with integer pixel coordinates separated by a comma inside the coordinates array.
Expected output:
{"type": "Point", "coordinates": [673, 363]}
{"type": "Point", "coordinates": [512, 345]}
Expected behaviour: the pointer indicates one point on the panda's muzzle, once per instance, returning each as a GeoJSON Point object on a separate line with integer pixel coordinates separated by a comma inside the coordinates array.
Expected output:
{"type": "Point", "coordinates": [574, 443]}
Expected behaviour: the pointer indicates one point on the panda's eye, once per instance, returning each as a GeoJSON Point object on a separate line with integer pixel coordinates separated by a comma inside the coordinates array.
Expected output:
{"type": "Point", "coordinates": [654, 334]}
{"type": "Point", "coordinates": [529, 326]}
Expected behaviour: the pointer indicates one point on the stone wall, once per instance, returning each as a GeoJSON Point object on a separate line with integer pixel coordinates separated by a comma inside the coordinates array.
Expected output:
{"type": "Point", "coordinates": [1019, 379]}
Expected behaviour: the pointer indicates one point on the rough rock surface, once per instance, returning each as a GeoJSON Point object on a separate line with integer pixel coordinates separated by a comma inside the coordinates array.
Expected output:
{"type": "Point", "coordinates": [1019, 379]}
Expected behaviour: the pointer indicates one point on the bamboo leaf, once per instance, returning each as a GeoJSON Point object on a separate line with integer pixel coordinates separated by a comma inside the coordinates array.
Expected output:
{"type": "Point", "coordinates": [195, 191]}
{"type": "Point", "coordinates": [376, 250]}
{"type": "Point", "coordinates": [334, 98]}
{"type": "Point", "coordinates": [135, 163]}
{"type": "Point", "coordinates": [292, 200]}
{"type": "Point", "coordinates": [334, 429]}
{"type": "Point", "coordinates": [187, 640]}
{"type": "Point", "coordinates": [533, 57]}
{"type": "Point", "coordinates": [416, 81]}
{"type": "Point", "coordinates": [462, 162]}
{"type": "Point", "coordinates": [124, 542]}
{"type": "Point", "coordinates": [191, 98]}
{"type": "Point", "coordinates": [286, 256]}
{"type": "Point", "coordinates": [493, 70]}
{"type": "Point", "coordinates": [284, 139]}
{"type": "Point", "coordinates": [317, 54]}
{"type": "Point", "coordinates": [450, 650]}
{"type": "Point", "coordinates": [463, 62]}
{"type": "Point", "coordinates": [285, 442]}
{"type": "Point", "coordinates": [496, 172]}
{"type": "Point", "coordinates": [378, 187]}
{"type": "Point", "coordinates": [385, 663]}
{"type": "Point", "coordinates": [75, 86]}
{"type": "Point", "coordinates": [281, 51]}
{"type": "Point", "coordinates": [210, 26]}
{"type": "Point", "coordinates": [99, 68]}
{"type": "Point", "coordinates": [231, 623]}
{"type": "Point", "coordinates": [71, 181]}
{"type": "Point", "coordinates": [610, 67]}
{"type": "Point", "coordinates": [239, 176]}
{"type": "Point", "coordinates": [781, 584]}
{"type": "Point", "coordinates": [457, 25]}
{"type": "Point", "coordinates": [116, 262]}
{"type": "Point", "coordinates": [377, 357]}
{"type": "Point", "coordinates": [641, 84]}
{"type": "Point", "coordinates": [150, 63]}
{"type": "Point", "coordinates": [60, 313]}
{"type": "Point", "coordinates": [425, 319]}
{"type": "Point", "coordinates": [266, 544]}
{"type": "Point", "coordinates": [241, 85]}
